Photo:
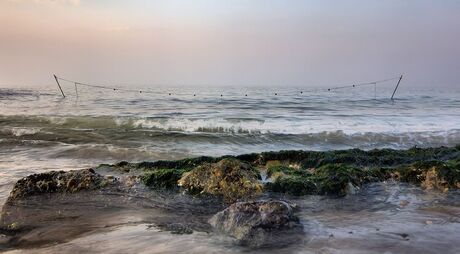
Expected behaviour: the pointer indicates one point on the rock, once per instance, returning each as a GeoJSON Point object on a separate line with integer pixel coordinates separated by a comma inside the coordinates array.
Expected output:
{"type": "Point", "coordinates": [351, 189]}
{"type": "Point", "coordinates": [432, 175]}
{"type": "Point", "coordinates": [294, 181]}
{"type": "Point", "coordinates": [339, 173]}
{"type": "Point", "coordinates": [259, 223]}
{"type": "Point", "coordinates": [56, 182]}
{"type": "Point", "coordinates": [329, 179]}
{"type": "Point", "coordinates": [359, 158]}
{"type": "Point", "coordinates": [292, 184]}
{"type": "Point", "coordinates": [338, 179]}
{"type": "Point", "coordinates": [162, 178]}
{"type": "Point", "coordinates": [229, 178]}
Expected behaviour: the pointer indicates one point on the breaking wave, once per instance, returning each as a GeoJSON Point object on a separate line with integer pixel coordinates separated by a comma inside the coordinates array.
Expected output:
{"type": "Point", "coordinates": [159, 133]}
{"type": "Point", "coordinates": [20, 125]}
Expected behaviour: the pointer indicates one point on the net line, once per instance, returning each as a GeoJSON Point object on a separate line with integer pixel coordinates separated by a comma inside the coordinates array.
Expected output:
{"type": "Point", "coordinates": [147, 91]}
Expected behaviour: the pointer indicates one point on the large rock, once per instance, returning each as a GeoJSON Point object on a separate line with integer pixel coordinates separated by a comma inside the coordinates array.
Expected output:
{"type": "Point", "coordinates": [229, 178]}
{"type": "Point", "coordinates": [56, 182]}
{"type": "Point", "coordinates": [431, 175]}
{"type": "Point", "coordinates": [259, 223]}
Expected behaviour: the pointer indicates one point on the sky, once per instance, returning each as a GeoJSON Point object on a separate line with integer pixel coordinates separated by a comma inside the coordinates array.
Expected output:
{"type": "Point", "coordinates": [232, 42]}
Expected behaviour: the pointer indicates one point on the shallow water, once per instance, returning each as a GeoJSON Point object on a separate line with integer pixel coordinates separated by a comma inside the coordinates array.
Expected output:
{"type": "Point", "coordinates": [40, 131]}
{"type": "Point", "coordinates": [383, 217]}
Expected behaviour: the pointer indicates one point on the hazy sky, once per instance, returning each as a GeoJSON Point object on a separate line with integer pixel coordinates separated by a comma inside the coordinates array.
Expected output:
{"type": "Point", "coordinates": [230, 42]}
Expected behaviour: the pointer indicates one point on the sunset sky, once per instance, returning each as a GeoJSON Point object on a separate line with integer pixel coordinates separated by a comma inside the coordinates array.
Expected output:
{"type": "Point", "coordinates": [234, 42]}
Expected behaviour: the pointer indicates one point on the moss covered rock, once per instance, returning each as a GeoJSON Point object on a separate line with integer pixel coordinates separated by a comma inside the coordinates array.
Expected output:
{"type": "Point", "coordinates": [292, 184]}
{"type": "Point", "coordinates": [336, 178]}
{"type": "Point", "coordinates": [229, 178]}
{"type": "Point", "coordinates": [271, 171]}
{"type": "Point", "coordinates": [431, 174]}
{"type": "Point", "coordinates": [358, 157]}
{"type": "Point", "coordinates": [330, 179]}
{"type": "Point", "coordinates": [290, 180]}
{"type": "Point", "coordinates": [57, 182]}
{"type": "Point", "coordinates": [162, 178]}
{"type": "Point", "coordinates": [259, 224]}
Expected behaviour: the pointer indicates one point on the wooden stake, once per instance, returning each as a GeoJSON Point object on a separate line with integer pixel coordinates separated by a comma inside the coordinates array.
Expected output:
{"type": "Point", "coordinates": [76, 91]}
{"type": "Point", "coordinates": [57, 81]}
{"type": "Point", "coordinates": [396, 88]}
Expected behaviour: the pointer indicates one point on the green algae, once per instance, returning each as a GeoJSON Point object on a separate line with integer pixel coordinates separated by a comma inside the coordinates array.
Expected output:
{"type": "Point", "coordinates": [229, 178]}
{"type": "Point", "coordinates": [357, 157]}
{"type": "Point", "coordinates": [56, 182]}
{"type": "Point", "coordinates": [286, 170]}
{"type": "Point", "coordinates": [162, 178]}
{"type": "Point", "coordinates": [336, 179]}
{"type": "Point", "coordinates": [292, 184]}
{"type": "Point", "coordinates": [310, 172]}
{"type": "Point", "coordinates": [431, 174]}
{"type": "Point", "coordinates": [188, 163]}
{"type": "Point", "coordinates": [330, 179]}
{"type": "Point", "coordinates": [313, 159]}
{"type": "Point", "coordinates": [333, 179]}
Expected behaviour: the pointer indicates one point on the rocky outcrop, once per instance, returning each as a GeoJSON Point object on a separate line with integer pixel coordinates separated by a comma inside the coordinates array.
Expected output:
{"type": "Point", "coordinates": [57, 182]}
{"type": "Point", "coordinates": [431, 175]}
{"type": "Point", "coordinates": [229, 178]}
{"type": "Point", "coordinates": [259, 223]}
{"type": "Point", "coordinates": [330, 179]}
{"type": "Point", "coordinates": [162, 178]}
{"type": "Point", "coordinates": [299, 173]}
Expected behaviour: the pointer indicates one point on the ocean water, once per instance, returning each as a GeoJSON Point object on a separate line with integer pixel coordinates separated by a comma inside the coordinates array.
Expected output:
{"type": "Point", "coordinates": [41, 131]}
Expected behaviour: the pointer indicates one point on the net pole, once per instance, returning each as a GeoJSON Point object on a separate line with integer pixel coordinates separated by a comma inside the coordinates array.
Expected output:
{"type": "Point", "coordinates": [76, 90]}
{"type": "Point", "coordinates": [57, 82]}
{"type": "Point", "coordinates": [396, 88]}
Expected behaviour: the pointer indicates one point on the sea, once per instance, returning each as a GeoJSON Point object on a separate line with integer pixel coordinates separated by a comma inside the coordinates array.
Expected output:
{"type": "Point", "coordinates": [41, 131]}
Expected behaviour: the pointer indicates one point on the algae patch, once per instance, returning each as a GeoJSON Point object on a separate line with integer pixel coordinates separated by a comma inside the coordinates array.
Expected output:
{"type": "Point", "coordinates": [162, 178]}
{"type": "Point", "coordinates": [330, 179]}
{"type": "Point", "coordinates": [58, 182]}
{"type": "Point", "coordinates": [229, 178]}
{"type": "Point", "coordinates": [302, 172]}
{"type": "Point", "coordinates": [432, 174]}
{"type": "Point", "coordinates": [341, 179]}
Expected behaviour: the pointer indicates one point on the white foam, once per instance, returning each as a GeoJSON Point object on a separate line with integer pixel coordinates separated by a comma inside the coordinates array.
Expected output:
{"type": "Point", "coordinates": [18, 131]}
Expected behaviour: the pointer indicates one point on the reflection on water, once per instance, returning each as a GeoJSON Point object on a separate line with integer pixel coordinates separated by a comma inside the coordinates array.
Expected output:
{"type": "Point", "coordinates": [383, 217]}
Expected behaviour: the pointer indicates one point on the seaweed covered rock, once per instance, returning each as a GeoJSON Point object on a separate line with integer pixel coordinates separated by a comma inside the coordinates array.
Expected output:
{"type": "Point", "coordinates": [342, 179]}
{"type": "Point", "coordinates": [329, 179]}
{"type": "Point", "coordinates": [57, 182]}
{"type": "Point", "coordinates": [259, 223]}
{"type": "Point", "coordinates": [288, 170]}
{"type": "Point", "coordinates": [162, 178]}
{"type": "Point", "coordinates": [432, 174]}
{"type": "Point", "coordinates": [229, 178]}
{"type": "Point", "coordinates": [290, 180]}
{"type": "Point", "coordinates": [294, 185]}
{"type": "Point", "coordinates": [338, 179]}
{"type": "Point", "coordinates": [358, 157]}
